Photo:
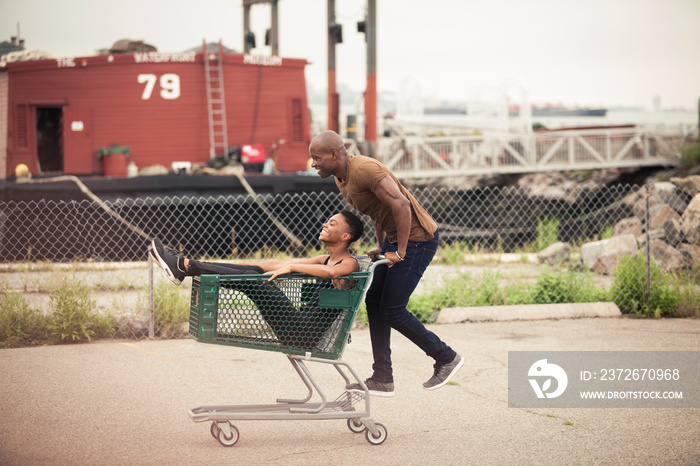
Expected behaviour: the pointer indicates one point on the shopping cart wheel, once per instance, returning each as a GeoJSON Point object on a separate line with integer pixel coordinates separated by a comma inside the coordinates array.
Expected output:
{"type": "Point", "coordinates": [356, 426]}
{"type": "Point", "coordinates": [228, 440]}
{"type": "Point", "coordinates": [378, 439]}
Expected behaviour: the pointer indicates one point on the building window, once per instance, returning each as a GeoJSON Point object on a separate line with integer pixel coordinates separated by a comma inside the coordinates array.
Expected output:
{"type": "Point", "coordinates": [297, 121]}
{"type": "Point", "coordinates": [22, 127]}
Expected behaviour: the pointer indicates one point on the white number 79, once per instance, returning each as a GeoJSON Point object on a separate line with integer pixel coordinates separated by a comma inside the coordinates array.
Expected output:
{"type": "Point", "coordinates": [169, 83]}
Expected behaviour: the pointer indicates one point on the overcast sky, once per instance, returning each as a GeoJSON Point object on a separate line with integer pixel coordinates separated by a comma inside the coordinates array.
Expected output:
{"type": "Point", "coordinates": [586, 52]}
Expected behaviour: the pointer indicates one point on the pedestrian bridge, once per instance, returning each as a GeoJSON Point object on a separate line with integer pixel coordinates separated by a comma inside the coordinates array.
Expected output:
{"type": "Point", "coordinates": [488, 152]}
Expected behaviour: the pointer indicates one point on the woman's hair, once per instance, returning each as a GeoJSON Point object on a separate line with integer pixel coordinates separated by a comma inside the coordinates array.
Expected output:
{"type": "Point", "coordinates": [356, 226]}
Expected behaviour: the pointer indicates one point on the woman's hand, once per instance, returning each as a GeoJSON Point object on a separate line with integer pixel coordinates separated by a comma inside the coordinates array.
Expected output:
{"type": "Point", "coordinates": [281, 271]}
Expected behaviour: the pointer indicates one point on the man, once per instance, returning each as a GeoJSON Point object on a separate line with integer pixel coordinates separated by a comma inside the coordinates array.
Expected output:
{"type": "Point", "coordinates": [296, 326]}
{"type": "Point", "coordinates": [406, 235]}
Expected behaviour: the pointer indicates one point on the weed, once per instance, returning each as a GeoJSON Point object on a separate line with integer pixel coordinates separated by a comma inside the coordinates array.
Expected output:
{"type": "Point", "coordinates": [488, 293]}
{"type": "Point", "coordinates": [690, 155]}
{"type": "Point", "coordinates": [73, 317]}
{"type": "Point", "coordinates": [170, 308]}
{"type": "Point", "coordinates": [20, 325]}
{"type": "Point", "coordinates": [607, 232]}
{"type": "Point", "coordinates": [629, 288]}
{"type": "Point", "coordinates": [569, 287]}
{"type": "Point", "coordinates": [547, 233]}
{"type": "Point", "coordinates": [451, 254]}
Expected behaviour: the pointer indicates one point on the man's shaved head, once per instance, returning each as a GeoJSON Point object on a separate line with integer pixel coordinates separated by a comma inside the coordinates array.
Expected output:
{"type": "Point", "coordinates": [327, 141]}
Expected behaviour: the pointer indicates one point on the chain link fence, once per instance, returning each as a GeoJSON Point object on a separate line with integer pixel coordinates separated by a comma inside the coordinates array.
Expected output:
{"type": "Point", "coordinates": [537, 243]}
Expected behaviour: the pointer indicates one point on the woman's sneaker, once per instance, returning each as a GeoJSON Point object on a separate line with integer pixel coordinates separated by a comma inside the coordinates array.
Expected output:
{"type": "Point", "coordinates": [375, 388]}
{"type": "Point", "coordinates": [169, 260]}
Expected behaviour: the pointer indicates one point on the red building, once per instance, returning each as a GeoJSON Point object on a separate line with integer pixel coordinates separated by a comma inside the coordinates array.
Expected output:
{"type": "Point", "coordinates": [60, 113]}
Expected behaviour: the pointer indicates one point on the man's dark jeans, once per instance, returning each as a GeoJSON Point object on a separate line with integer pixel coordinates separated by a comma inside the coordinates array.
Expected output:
{"type": "Point", "coordinates": [386, 302]}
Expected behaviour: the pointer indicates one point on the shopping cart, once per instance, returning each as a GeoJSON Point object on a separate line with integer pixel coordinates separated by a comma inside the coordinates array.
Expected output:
{"type": "Point", "coordinates": [308, 319]}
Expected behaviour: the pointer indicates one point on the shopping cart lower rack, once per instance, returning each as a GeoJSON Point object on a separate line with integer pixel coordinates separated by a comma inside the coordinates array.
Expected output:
{"type": "Point", "coordinates": [308, 319]}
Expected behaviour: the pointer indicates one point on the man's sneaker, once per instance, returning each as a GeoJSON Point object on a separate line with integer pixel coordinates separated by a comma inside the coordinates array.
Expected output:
{"type": "Point", "coordinates": [375, 388]}
{"type": "Point", "coordinates": [443, 373]}
{"type": "Point", "coordinates": [169, 260]}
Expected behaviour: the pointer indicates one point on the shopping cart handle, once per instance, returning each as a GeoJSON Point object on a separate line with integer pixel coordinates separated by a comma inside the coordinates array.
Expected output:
{"type": "Point", "coordinates": [379, 260]}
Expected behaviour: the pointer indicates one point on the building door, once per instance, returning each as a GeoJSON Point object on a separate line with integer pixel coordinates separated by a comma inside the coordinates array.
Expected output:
{"type": "Point", "coordinates": [49, 139]}
{"type": "Point", "coordinates": [77, 131]}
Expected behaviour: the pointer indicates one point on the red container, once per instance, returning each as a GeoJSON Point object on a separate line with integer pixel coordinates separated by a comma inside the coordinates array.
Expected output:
{"type": "Point", "coordinates": [252, 153]}
{"type": "Point", "coordinates": [115, 160]}
{"type": "Point", "coordinates": [115, 164]}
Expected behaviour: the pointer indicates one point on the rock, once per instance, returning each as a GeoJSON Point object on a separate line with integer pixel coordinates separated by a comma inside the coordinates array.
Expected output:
{"type": "Point", "coordinates": [672, 232]}
{"type": "Point", "coordinates": [690, 184]}
{"type": "Point", "coordinates": [660, 214]}
{"type": "Point", "coordinates": [614, 247]}
{"type": "Point", "coordinates": [628, 226]}
{"type": "Point", "coordinates": [607, 262]}
{"type": "Point", "coordinates": [639, 207]}
{"type": "Point", "coordinates": [631, 199]}
{"type": "Point", "coordinates": [692, 251]}
{"type": "Point", "coordinates": [678, 203]}
{"type": "Point", "coordinates": [663, 186]}
{"type": "Point", "coordinates": [653, 234]}
{"type": "Point", "coordinates": [667, 258]}
{"type": "Point", "coordinates": [153, 170]}
{"type": "Point", "coordinates": [560, 186]}
{"type": "Point", "coordinates": [555, 253]}
{"type": "Point", "coordinates": [667, 193]}
{"type": "Point", "coordinates": [690, 221]}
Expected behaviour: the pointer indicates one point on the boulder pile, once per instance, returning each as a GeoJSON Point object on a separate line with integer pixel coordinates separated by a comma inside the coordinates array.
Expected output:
{"type": "Point", "coordinates": [667, 217]}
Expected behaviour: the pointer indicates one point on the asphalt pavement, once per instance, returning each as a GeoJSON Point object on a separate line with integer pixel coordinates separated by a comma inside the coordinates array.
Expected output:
{"type": "Point", "coordinates": [126, 403]}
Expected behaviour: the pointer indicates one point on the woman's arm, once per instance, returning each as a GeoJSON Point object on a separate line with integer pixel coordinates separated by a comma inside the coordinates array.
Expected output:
{"type": "Point", "coordinates": [345, 267]}
{"type": "Point", "coordinates": [269, 266]}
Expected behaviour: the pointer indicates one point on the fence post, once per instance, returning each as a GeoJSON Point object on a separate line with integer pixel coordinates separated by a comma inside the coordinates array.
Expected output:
{"type": "Point", "coordinates": [647, 284]}
{"type": "Point", "coordinates": [151, 313]}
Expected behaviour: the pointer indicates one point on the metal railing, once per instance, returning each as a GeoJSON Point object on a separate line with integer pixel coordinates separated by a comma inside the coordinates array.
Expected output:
{"type": "Point", "coordinates": [495, 152]}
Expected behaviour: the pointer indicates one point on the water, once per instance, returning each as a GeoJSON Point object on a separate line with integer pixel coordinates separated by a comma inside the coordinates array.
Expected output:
{"type": "Point", "coordinates": [681, 120]}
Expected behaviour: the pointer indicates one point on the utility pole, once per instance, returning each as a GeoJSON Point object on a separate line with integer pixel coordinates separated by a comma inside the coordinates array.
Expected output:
{"type": "Point", "coordinates": [335, 36]}
{"type": "Point", "coordinates": [272, 34]}
{"type": "Point", "coordinates": [371, 91]}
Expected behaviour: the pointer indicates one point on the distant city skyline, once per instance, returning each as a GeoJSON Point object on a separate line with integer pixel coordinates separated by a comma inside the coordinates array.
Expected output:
{"type": "Point", "coordinates": [579, 52]}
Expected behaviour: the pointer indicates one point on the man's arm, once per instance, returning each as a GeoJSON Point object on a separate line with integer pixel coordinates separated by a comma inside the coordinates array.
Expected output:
{"type": "Point", "coordinates": [379, 233]}
{"type": "Point", "coordinates": [387, 191]}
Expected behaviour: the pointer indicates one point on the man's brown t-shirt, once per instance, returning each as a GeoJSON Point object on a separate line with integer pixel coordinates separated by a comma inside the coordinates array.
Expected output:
{"type": "Point", "coordinates": [364, 174]}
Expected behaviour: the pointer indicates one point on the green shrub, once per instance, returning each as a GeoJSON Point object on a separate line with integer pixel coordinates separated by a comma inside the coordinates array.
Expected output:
{"type": "Point", "coordinates": [488, 292]}
{"type": "Point", "coordinates": [690, 155]}
{"type": "Point", "coordinates": [629, 289]}
{"type": "Point", "coordinates": [170, 308]}
{"type": "Point", "coordinates": [73, 317]}
{"type": "Point", "coordinates": [452, 254]}
{"type": "Point", "coordinates": [688, 301]}
{"type": "Point", "coordinates": [607, 232]}
{"type": "Point", "coordinates": [551, 288]}
{"type": "Point", "coordinates": [554, 287]}
{"type": "Point", "coordinates": [20, 325]}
